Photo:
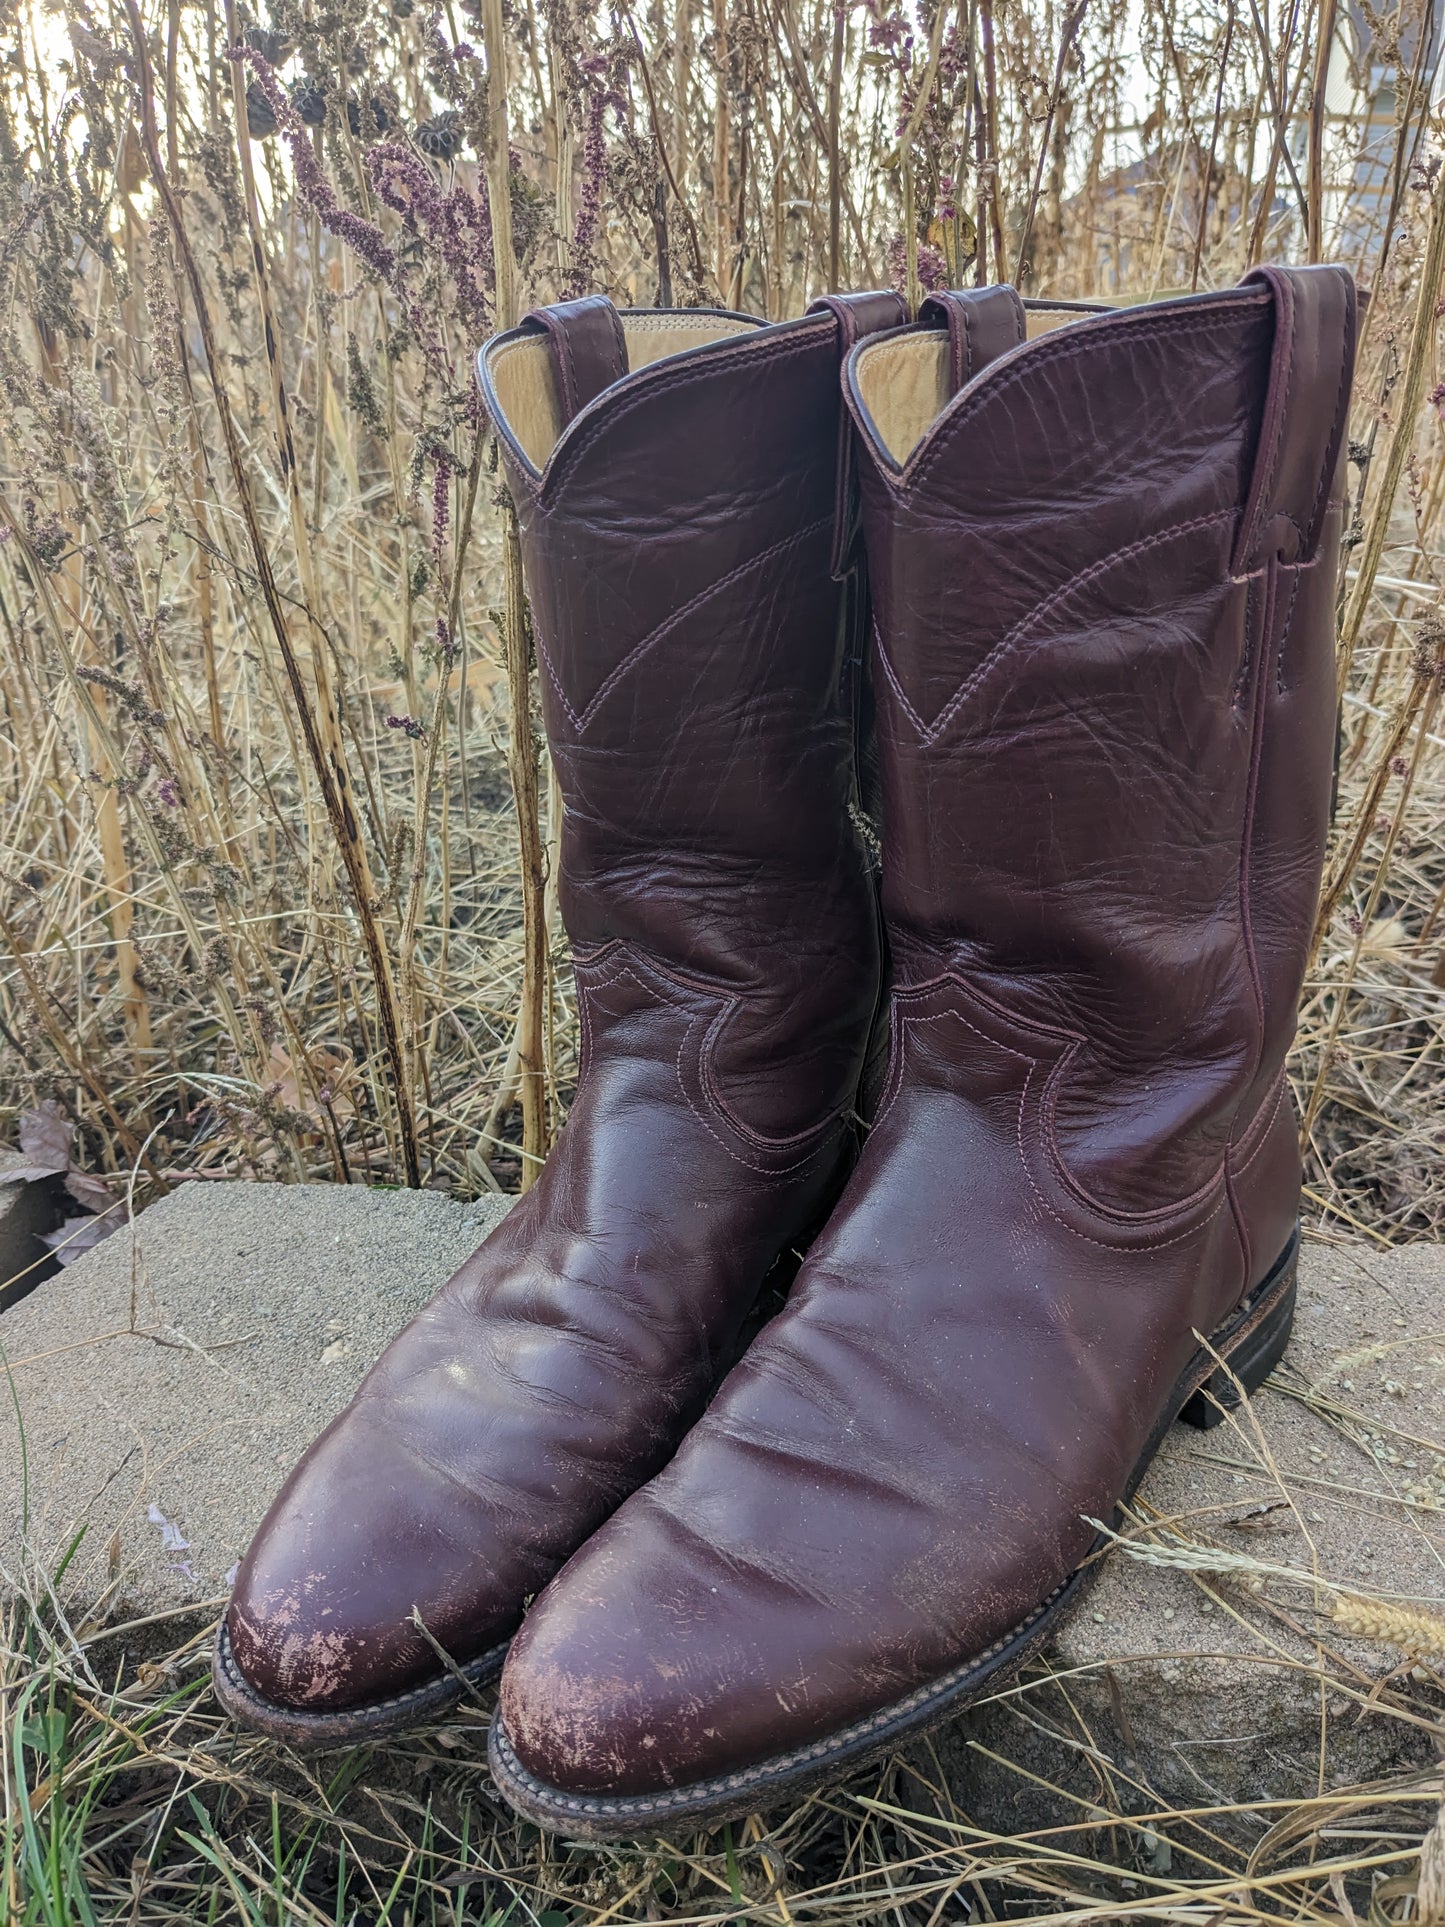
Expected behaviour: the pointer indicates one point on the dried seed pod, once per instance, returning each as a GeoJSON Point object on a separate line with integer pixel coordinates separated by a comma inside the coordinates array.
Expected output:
{"type": "Point", "coordinates": [309, 100]}
{"type": "Point", "coordinates": [441, 137]}
{"type": "Point", "coordinates": [374, 117]}
{"type": "Point", "coordinates": [274, 48]}
{"type": "Point", "coordinates": [260, 117]}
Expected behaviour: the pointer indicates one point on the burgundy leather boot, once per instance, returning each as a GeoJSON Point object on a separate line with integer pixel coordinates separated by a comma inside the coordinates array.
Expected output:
{"type": "Point", "coordinates": [1103, 575]}
{"type": "Point", "coordinates": [686, 527]}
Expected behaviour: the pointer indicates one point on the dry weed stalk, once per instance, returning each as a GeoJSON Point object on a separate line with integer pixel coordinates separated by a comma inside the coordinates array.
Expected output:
{"type": "Point", "coordinates": [252, 799]}
{"type": "Point", "coordinates": [1413, 1628]}
{"type": "Point", "coordinates": [275, 895]}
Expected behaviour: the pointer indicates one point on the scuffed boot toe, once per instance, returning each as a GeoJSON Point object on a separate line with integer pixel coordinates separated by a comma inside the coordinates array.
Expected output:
{"type": "Point", "coordinates": [632, 1683]}
{"type": "Point", "coordinates": [320, 1645]}
{"type": "Point", "coordinates": [302, 1634]}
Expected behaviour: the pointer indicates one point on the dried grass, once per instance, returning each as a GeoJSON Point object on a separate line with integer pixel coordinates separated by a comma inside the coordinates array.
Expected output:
{"type": "Point", "coordinates": [130, 1799]}
{"type": "Point", "coordinates": [272, 864]}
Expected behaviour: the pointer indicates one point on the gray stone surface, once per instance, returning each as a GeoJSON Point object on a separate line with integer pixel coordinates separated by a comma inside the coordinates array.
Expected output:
{"type": "Point", "coordinates": [169, 1379]}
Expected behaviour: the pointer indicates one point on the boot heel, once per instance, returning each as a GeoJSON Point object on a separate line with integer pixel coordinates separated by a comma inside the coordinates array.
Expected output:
{"type": "Point", "coordinates": [1255, 1355]}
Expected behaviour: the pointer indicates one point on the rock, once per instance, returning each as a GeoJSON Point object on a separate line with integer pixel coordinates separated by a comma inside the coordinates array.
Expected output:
{"type": "Point", "coordinates": [169, 1379]}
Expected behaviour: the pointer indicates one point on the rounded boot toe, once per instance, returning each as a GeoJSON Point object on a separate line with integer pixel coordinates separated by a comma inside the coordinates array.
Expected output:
{"type": "Point", "coordinates": [310, 1628]}
{"type": "Point", "coordinates": [359, 1546]}
{"type": "Point", "coordinates": [580, 1714]}
{"type": "Point", "coordinates": [629, 1675]}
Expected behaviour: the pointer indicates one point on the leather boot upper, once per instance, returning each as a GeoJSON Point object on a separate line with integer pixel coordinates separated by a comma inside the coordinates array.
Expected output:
{"type": "Point", "coordinates": [1103, 560]}
{"type": "Point", "coordinates": [675, 477]}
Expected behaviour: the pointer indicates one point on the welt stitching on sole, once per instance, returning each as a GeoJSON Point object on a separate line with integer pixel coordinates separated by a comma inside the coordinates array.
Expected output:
{"type": "Point", "coordinates": [816, 1752]}
{"type": "Point", "coordinates": [935, 1694]}
{"type": "Point", "coordinates": [423, 1697]}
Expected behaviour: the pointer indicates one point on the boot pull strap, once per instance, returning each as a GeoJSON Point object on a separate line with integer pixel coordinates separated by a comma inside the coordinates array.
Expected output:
{"type": "Point", "coordinates": [857, 316]}
{"type": "Point", "coordinates": [1306, 410]}
{"type": "Point", "coordinates": [982, 323]}
{"type": "Point", "coordinates": [589, 350]}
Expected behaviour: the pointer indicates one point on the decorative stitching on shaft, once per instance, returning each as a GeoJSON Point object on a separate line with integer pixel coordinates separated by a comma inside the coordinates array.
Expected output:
{"type": "Point", "coordinates": [929, 732]}
{"type": "Point", "coordinates": [1070, 346]}
{"type": "Point", "coordinates": [729, 349]}
{"type": "Point", "coordinates": [581, 720]}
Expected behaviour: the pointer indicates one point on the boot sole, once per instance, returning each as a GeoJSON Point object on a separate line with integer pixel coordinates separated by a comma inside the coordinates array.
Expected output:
{"type": "Point", "coordinates": [351, 1726]}
{"type": "Point", "coordinates": [1251, 1342]}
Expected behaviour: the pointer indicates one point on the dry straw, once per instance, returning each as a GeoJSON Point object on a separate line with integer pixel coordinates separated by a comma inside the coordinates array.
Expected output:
{"type": "Point", "coordinates": [277, 859]}
{"type": "Point", "coordinates": [272, 765]}
{"type": "Point", "coordinates": [1413, 1628]}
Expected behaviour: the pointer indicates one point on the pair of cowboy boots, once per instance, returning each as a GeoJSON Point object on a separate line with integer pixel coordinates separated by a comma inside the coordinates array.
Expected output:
{"type": "Point", "coordinates": [1096, 551]}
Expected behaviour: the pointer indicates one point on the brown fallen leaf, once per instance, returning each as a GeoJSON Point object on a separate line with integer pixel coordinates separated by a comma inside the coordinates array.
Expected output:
{"type": "Point", "coordinates": [46, 1137]}
{"type": "Point", "coordinates": [47, 1148]}
{"type": "Point", "coordinates": [332, 1071]}
{"type": "Point", "coordinates": [89, 1191]}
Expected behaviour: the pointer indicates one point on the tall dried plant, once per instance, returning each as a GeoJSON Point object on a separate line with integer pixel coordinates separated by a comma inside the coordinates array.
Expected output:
{"type": "Point", "coordinates": [275, 892]}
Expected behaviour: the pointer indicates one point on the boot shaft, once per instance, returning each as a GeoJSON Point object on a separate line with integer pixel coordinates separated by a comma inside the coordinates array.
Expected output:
{"type": "Point", "coordinates": [697, 628]}
{"type": "Point", "coordinates": [1103, 580]}
{"type": "Point", "coordinates": [675, 545]}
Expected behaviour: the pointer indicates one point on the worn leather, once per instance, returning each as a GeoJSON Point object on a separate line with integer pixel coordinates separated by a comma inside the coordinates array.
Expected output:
{"type": "Point", "coordinates": [693, 658]}
{"type": "Point", "coordinates": [1103, 590]}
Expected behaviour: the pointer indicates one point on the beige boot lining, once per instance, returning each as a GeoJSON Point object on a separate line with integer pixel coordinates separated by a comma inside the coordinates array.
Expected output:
{"type": "Point", "coordinates": [525, 385]}
{"type": "Point", "coordinates": [903, 382]}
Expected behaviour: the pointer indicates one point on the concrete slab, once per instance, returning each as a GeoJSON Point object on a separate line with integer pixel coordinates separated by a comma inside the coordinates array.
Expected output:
{"type": "Point", "coordinates": [169, 1379]}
